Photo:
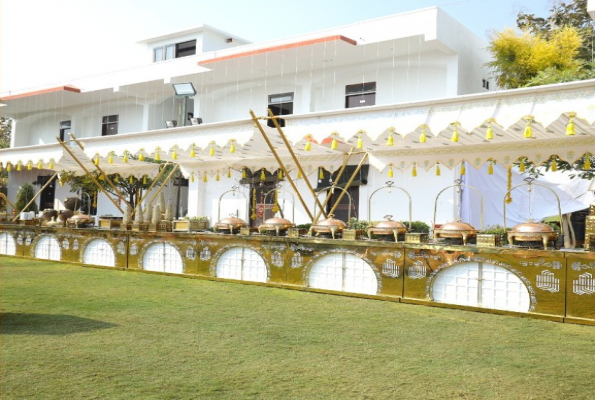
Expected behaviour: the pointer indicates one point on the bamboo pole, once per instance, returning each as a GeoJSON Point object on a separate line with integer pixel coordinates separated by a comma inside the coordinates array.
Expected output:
{"type": "Point", "coordinates": [348, 184]}
{"type": "Point", "coordinates": [328, 197]}
{"type": "Point", "coordinates": [166, 179]}
{"type": "Point", "coordinates": [100, 186]}
{"type": "Point", "coordinates": [35, 197]}
{"type": "Point", "coordinates": [2, 195]}
{"type": "Point", "coordinates": [291, 182]}
{"type": "Point", "coordinates": [297, 162]}
{"type": "Point", "coordinates": [153, 183]}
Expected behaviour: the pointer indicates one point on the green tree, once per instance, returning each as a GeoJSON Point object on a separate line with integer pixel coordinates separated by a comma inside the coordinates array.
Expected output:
{"type": "Point", "coordinates": [24, 196]}
{"type": "Point", "coordinates": [5, 124]}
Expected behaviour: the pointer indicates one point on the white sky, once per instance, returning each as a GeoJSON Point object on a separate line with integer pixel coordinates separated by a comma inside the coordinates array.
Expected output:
{"type": "Point", "coordinates": [51, 41]}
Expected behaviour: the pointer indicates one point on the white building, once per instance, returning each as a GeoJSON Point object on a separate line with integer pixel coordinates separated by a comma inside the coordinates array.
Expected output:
{"type": "Point", "coordinates": [376, 86]}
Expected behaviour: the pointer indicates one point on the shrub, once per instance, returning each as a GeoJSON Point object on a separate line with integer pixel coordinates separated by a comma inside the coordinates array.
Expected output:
{"type": "Point", "coordinates": [24, 196]}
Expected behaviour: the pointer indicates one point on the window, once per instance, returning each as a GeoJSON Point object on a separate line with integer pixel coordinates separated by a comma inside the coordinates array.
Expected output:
{"type": "Point", "coordinates": [485, 84]}
{"type": "Point", "coordinates": [65, 129]}
{"type": "Point", "coordinates": [360, 95]}
{"type": "Point", "coordinates": [280, 104]}
{"type": "Point", "coordinates": [171, 51]}
{"type": "Point", "coordinates": [109, 125]}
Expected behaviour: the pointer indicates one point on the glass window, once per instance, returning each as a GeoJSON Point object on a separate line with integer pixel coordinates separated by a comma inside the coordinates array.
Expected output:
{"type": "Point", "coordinates": [158, 54]}
{"type": "Point", "coordinates": [185, 49]}
{"type": "Point", "coordinates": [65, 129]}
{"type": "Point", "coordinates": [360, 95]}
{"type": "Point", "coordinates": [109, 125]}
{"type": "Point", "coordinates": [280, 104]}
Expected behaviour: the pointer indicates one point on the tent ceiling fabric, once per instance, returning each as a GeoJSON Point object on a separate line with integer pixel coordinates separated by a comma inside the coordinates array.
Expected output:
{"type": "Point", "coordinates": [207, 148]}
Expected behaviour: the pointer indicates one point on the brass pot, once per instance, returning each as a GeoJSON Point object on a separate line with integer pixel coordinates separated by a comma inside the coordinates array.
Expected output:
{"type": "Point", "coordinates": [330, 225]}
{"type": "Point", "coordinates": [81, 220]}
{"type": "Point", "coordinates": [48, 213]}
{"type": "Point", "coordinates": [230, 224]}
{"type": "Point", "coordinates": [63, 215]}
{"type": "Point", "coordinates": [387, 227]}
{"type": "Point", "coordinates": [275, 224]}
{"type": "Point", "coordinates": [455, 230]}
{"type": "Point", "coordinates": [532, 232]}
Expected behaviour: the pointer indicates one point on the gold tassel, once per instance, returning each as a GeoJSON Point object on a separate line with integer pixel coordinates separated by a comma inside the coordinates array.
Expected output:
{"type": "Point", "coordinates": [570, 127]}
{"type": "Point", "coordinates": [244, 173]}
{"type": "Point", "coordinates": [253, 214]}
{"type": "Point", "coordinates": [51, 165]}
{"type": "Point", "coordinates": [192, 152]}
{"type": "Point", "coordinates": [102, 177]}
{"type": "Point", "coordinates": [275, 202]}
{"type": "Point", "coordinates": [299, 175]}
{"type": "Point", "coordinates": [96, 160]}
{"type": "Point", "coordinates": [131, 180]}
{"type": "Point", "coordinates": [334, 143]}
{"type": "Point", "coordinates": [174, 155]}
{"type": "Point", "coordinates": [192, 177]}
{"type": "Point", "coordinates": [262, 175]}
{"type": "Point", "coordinates": [490, 132]}
{"type": "Point", "coordinates": [308, 145]}
{"type": "Point", "coordinates": [390, 141]}
{"type": "Point", "coordinates": [422, 137]}
{"type": "Point", "coordinates": [157, 154]}
{"type": "Point", "coordinates": [455, 135]}
{"type": "Point", "coordinates": [116, 178]}
{"type": "Point", "coordinates": [40, 164]}
{"type": "Point", "coordinates": [229, 172]}
{"type": "Point", "coordinates": [212, 150]}
{"type": "Point", "coordinates": [141, 157]}
{"type": "Point", "coordinates": [554, 164]}
{"type": "Point", "coordinates": [19, 166]}
{"type": "Point", "coordinates": [125, 158]}
{"type": "Point", "coordinates": [463, 170]}
{"type": "Point", "coordinates": [509, 185]}
{"type": "Point", "coordinates": [217, 178]}
{"type": "Point", "coordinates": [414, 170]}
{"type": "Point", "coordinates": [320, 173]}
{"type": "Point", "coordinates": [360, 142]}
{"type": "Point", "coordinates": [205, 178]}
{"type": "Point", "coordinates": [390, 171]}
{"type": "Point", "coordinates": [438, 170]}
{"type": "Point", "coordinates": [491, 168]}
{"type": "Point", "coordinates": [30, 166]}
{"type": "Point", "coordinates": [528, 130]}
{"type": "Point", "coordinates": [587, 162]}
{"type": "Point", "coordinates": [8, 167]}
{"type": "Point", "coordinates": [280, 174]}
{"type": "Point", "coordinates": [232, 146]}
{"type": "Point", "coordinates": [144, 179]}
{"type": "Point", "coordinates": [522, 165]}
{"type": "Point", "coordinates": [110, 159]}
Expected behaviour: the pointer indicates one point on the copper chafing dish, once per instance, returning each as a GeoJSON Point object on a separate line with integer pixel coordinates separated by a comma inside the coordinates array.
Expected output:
{"type": "Point", "coordinates": [330, 225]}
{"type": "Point", "coordinates": [455, 230]}
{"type": "Point", "coordinates": [80, 220]}
{"type": "Point", "coordinates": [387, 227]}
{"type": "Point", "coordinates": [277, 225]}
{"type": "Point", "coordinates": [231, 224]}
{"type": "Point", "coordinates": [531, 231]}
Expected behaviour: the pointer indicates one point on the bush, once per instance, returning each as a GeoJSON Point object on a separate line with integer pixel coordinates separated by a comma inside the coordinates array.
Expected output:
{"type": "Point", "coordinates": [497, 230]}
{"type": "Point", "coordinates": [417, 226]}
{"type": "Point", "coordinates": [24, 196]}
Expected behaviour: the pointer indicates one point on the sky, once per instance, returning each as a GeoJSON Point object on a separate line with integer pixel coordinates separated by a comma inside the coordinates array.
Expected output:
{"type": "Point", "coordinates": [43, 42]}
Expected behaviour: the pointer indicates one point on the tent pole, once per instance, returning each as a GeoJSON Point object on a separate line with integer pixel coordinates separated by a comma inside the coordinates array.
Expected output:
{"type": "Point", "coordinates": [328, 197]}
{"type": "Point", "coordinates": [34, 197]}
{"type": "Point", "coordinates": [161, 187]}
{"type": "Point", "coordinates": [264, 135]}
{"type": "Point", "coordinates": [348, 184]}
{"type": "Point", "coordinates": [153, 183]}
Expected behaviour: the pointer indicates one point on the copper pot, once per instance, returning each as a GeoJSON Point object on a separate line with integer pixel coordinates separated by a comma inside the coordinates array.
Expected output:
{"type": "Point", "coordinates": [48, 213]}
{"type": "Point", "coordinates": [230, 224]}
{"type": "Point", "coordinates": [275, 224]}
{"type": "Point", "coordinates": [387, 227]}
{"type": "Point", "coordinates": [63, 215]}
{"type": "Point", "coordinates": [455, 230]}
{"type": "Point", "coordinates": [80, 220]}
{"type": "Point", "coordinates": [330, 225]}
{"type": "Point", "coordinates": [532, 232]}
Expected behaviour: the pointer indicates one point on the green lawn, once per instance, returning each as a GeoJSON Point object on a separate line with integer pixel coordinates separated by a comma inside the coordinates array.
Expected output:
{"type": "Point", "coordinates": [69, 332]}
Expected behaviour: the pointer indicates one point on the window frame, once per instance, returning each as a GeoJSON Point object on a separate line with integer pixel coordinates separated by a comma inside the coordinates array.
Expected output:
{"type": "Point", "coordinates": [109, 122]}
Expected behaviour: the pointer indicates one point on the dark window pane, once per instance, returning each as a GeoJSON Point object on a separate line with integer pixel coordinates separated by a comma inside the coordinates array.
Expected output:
{"type": "Point", "coordinates": [186, 49]}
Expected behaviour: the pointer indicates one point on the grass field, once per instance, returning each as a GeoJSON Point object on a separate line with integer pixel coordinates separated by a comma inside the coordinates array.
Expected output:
{"type": "Point", "coordinates": [69, 332]}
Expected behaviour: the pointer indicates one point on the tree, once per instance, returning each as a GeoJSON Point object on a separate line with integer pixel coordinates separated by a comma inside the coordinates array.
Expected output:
{"type": "Point", "coordinates": [559, 48]}
{"type": "Point", "coordinates": [6, 125]}
{"type": "Point", "coordinates": [25, 194]}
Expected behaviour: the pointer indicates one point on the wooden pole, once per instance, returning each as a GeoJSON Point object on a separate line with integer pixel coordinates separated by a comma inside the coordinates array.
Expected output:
{"type": "Point", "coordinates": [34, 197]}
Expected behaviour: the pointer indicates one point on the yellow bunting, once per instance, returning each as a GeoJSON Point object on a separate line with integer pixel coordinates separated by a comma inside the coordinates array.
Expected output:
{"type": "Point", "coordinates": [141, 157]}
{"type": "Point", "coordinates": [299, 175]}
{"type": "Point", "coordinates": [205, 178]}
{"type": "Point", "coordinates": [308, 145]}
{"type": "Point", "coordinates": [131, 180]}
{"type": "Point", "coordinates": [244, 174]}
{"type": "Point", "coordinates": [51, 165]}
{"type": "Point", "coordinates": [390, 141]}
{"type": "Point", "coordinates": [320, 173]}
{"type": "Point", "coordinates": [96, 159]}
{"type": "Point", "coordinates": [390, 171]}
{"type": "Point", "coordinates": [125, 158]}
{"type": "Point", "coordinates": [334, 144]}
{"type": "Point", "coordinates": [174, 155]}
{"type": "Point", "coordinates": [40, 164]}
{"type": "Point", "coordinates": [110, 159]}
{"type": "Point", "coordinates": [490, 132]}
{"type": "Point", "coordinates": [29, 165]}
{"type": "Point", "coordinates": [437, 169]}
{"type": "Point", "coordinates": [232, 146]}
{"type": "Point", "coordinates": [587, 161]}
{"type": "Point", "coordinates": [509, 185]}
{"type": "Point", "coordinates": [528, 130]}
{"type": "Point", "coordinates": [157, 155]}
{"type": "Point", "coordinates": [8, 167]}
{"type": "Point", "coordinates": [19, 166]}
{"type": "Point", "coordinates": [212, 150]}
{"type": "Point", "coordinates": [262, 175]}
{"type": "Point", "coordinates": [192, 177]}
{"type": "Point", "coordinates": [522, 165]}
{"type": "Point", "coordinates": [570, 126]}
{"type": "Point", "coordinates": [455, 135]}
{"type": "Point", "coordinates": [360, 142]}
{"type": "Point", "coordinates": [463, 170]}
{"type": "Point", "coordinates": [229, 172]}
{"type": "Point", "coordinates": [144, 179]}
{"type": "Point", "coordinates": [280, 174]}
{"type": "Point", "coordinates": [414, 170]}
{"type": "Point", "coordinates": [490, 168]}
{"type": "Point", "coordinates": [192, 152]}
{"type": "Point", "coordinates": [554, 164]}
{"type": "Point", "coordinates": [217, 176]}
{"type": "Point", "coordinates": [422, 137]}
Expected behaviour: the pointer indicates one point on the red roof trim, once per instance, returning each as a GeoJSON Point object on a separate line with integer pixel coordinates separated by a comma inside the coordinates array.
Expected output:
{"type": "Point", "coordinates": [280, 47]}
{"type": "Point", "coordinates": [50, 90]}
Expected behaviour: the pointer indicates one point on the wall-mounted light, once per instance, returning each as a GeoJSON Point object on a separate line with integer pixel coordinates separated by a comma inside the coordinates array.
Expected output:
{"type": "Point", "coordinates": [171, 123]}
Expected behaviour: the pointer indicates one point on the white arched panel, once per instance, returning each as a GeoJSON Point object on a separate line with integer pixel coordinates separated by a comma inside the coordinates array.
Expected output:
{"type": "Point", "coordinates": [48, 248]}
{"type": "Point", "coordinates": [343, 272]}
{"type": "Point", "coordinates": [163, 257]}
{"type": "Point", "coordinates": [481, 284]}
{"type": "Point", "coordinates": [7, 244]}
{"type": "Point", "coordinates": [241, 263]}
{"type": "Point", "coordinates": [99, 252]}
